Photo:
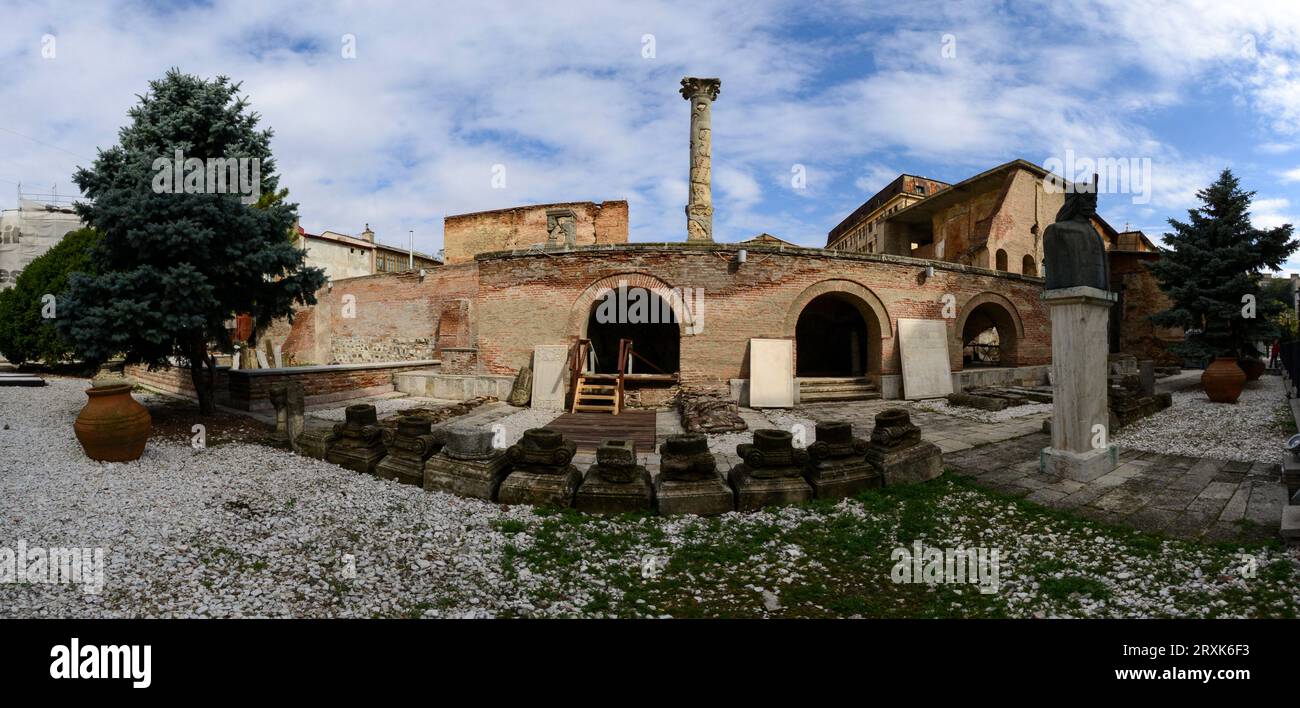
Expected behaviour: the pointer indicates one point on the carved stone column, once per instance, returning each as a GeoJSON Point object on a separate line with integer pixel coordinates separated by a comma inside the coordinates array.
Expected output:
{"type": "Point", "coordinates": [699, 204]}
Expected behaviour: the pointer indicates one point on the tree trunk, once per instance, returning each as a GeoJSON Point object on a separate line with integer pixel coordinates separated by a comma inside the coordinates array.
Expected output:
{"type": "Point", "coordinates": [203, 376]}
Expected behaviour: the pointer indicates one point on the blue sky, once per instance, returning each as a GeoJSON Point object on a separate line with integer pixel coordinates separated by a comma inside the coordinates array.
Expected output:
{"type": "Point", "coordinates": [578, 101]}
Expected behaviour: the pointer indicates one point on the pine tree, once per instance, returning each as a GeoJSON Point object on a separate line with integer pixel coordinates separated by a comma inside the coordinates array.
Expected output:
{"type": "Point", "coordinates": [178, 258]}
{"type": "Point", "coordinates": [27, 317]}
{"type": "Point", "coordinates": [1211, 271]}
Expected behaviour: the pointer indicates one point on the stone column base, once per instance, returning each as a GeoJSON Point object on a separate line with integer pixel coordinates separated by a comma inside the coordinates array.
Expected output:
{"type": "Point", "coordinates": [704, 497]}
{"type": "Point", "coordinates": [479, 479]}
{"type": "Point", "coordinates": [598, 496]}
{"type": "Point", "coordinates": [1078, 466]}
{"type": "Point", "coordinates": [541, 488]}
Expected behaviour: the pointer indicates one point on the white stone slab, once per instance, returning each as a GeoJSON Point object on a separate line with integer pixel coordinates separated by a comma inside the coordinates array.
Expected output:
{"type": "Point", "coordinates": [261, 360]}
{"type": "Point", "coordinates": [234, 362]}
{"type": "Point", "coordinates": [924, 351]}
{"type": "Point", "coordinates": [549, 374]}
{"type": "Point", "coordinates": [771, 373]}
{"type": "Point", "coordinates": [279, 356]}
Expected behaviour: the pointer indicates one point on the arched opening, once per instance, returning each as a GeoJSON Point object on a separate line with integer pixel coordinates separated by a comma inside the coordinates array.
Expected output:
{"type": "Point", "coordinates": [988, 337]}
{"type": "Point", "coordinates": [641, 315]}
{"type": "Point", "coordinates": [1029, 267]}
{"type": "Point", "coordinates": [1000, 260]}
{"type": "Point", "coordinates": [835, 336]}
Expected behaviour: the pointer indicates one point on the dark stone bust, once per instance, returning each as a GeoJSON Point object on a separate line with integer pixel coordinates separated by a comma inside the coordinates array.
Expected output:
{"type": "Point", "coordinates": [1075, 252]}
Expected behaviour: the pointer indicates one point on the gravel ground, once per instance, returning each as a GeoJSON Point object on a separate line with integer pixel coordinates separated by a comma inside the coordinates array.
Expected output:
{"type": "Point", "coordinates": [240, 530]}
{"type": "Point", "coordinates": [1248, 430]}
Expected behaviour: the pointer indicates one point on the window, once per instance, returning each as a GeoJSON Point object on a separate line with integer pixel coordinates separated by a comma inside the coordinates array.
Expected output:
{"type": "Point", "coordinates": [920, 189]}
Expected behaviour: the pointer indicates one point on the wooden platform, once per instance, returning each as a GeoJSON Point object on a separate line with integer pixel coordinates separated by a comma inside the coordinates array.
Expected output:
{"type": "Point", "coordinates": [589, 429]}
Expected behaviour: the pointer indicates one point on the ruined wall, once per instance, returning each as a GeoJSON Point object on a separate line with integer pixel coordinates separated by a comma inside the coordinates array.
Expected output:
{"type": "Point", "coordinates": [1142, 297]}
{"type": "Point", "coordinates": [525, 300]}
{"type": "Point", "coordinates": [381, 318]}
{"type": "Point", "coordinates": [467, 235]}
{"type": "Point", "coordinates": [1024, 204]}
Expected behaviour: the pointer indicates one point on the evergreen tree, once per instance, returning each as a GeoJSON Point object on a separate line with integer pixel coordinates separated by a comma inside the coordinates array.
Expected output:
{"type": "Point", "coordinates": [1214, 261]}
{"type": "Point", "coordinates": [178, 258]}
{"type": "Point", "coordinates": [27, 317]}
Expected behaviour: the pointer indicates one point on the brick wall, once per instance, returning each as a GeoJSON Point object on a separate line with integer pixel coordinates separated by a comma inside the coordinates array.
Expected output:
{"type": "Point", "coordinates": [382, 318]}
{"type": "Point", "coordinates": [176, 380]}
{"type": "Point", "coordinates": [467, 235]}
{"type": "Point", "coordinates": [525, 300]}
{"type": "Point", "coordinates": [515, 301]}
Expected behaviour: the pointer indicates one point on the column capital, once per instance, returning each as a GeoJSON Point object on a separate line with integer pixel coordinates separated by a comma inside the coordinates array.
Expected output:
{"type": "Point", "coordinates": [693, 87]}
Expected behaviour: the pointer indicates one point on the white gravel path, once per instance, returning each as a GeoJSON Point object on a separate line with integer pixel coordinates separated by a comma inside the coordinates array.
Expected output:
{"type": "Point", "coordinates": [242, 530]}
{"type": "Point", "coordinates": [1248, 430]}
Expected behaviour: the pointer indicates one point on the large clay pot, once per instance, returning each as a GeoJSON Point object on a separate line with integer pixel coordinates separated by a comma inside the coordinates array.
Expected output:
{"type": "Point", "coordinates": [113, 427]}
{"type": "Point", "coordinates": [1223, 380]}
{"type": "Point", "coordinates": [1254, 368]}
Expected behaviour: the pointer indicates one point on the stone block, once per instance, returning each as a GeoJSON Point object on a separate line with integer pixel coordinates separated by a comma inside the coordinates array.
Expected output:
{"type": "Point", "coordinates": [1080, 467]}
{"type": "Point", "coordinates": [837, 465]}
{"type": "Point", "coordinates": [704, 497]}
{"type": "Point", "coordinates": [908, 465]}
{"type": "Point", "coordinates": [923, 348]}
{"type": "Point", "coordinates": [598, 495]}
{"type": "Point", "coordinates": [289, 413]}
{"type": "Point", "coordinates": [467, 465]}
{"type": "Point", "coordinates": [549, 375]}
{"type": "Point", "coordinates": [754, 493]}
{"type": "Point", "coordinates": [771, 373]}
{"type": "Point", "coordinates": [550, 488]}
{"type": "Point", "coordinates": [315, 441]}
{"type": "Point", "coordinates": [1291, 524]}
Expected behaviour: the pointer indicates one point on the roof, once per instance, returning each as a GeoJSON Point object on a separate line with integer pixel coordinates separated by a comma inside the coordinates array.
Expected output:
{"type": "Point", "coordinates": [921, 211]}
{"type": "Point", "coordinates": [767, 238]}
{"type": "Point", "coordinates": [354, 242]}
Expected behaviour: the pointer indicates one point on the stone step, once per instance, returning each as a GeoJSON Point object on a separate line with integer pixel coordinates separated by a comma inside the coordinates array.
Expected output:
{"type": "Point", "coordinates": [858, 394]}
{"type": "Point", "coordinates": [818, 380]}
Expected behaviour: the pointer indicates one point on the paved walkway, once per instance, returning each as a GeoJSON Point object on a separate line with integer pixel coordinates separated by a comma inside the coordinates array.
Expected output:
{"type": "Point", "coordinates": [1183, 497]}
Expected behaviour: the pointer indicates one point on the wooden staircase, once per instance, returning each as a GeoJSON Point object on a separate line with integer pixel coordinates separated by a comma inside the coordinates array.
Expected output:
{"type": "Point", "coordinates": [592, 394]}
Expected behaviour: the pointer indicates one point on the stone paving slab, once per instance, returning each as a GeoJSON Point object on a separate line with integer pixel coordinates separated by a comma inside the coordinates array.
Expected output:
{"type": "Point", "coordinates": [1183, 497]}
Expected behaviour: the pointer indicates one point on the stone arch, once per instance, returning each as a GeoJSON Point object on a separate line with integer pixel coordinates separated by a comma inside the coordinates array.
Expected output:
{"type": "Point", "coordinates": [879, 325]}
{"type": "Point", "coordinates": [1029, 266]}
{"type": "Point", "coordinates": [672, 314]}
{"type": "Point", "coordinates": [1000, 260]}
{"type": "Point", "coordinates": [1003, 315]}
{"type": "Point", "coordinates": [679, 301]}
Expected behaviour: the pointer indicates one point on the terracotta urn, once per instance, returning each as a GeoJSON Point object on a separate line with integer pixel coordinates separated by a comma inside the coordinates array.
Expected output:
{"type": "Point", "coordinates": [113, 427]}
{"type": "Point", "coordinates": [1223, 380]}
{"type": "Point", "coordinates": [1253, 367]}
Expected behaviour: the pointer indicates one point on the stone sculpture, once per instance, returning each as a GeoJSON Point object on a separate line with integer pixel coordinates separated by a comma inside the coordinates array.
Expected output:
{"type": "Point", "coordinates": [616, 483]}
{"type": "Point", "coordinates": [1074, 250]}
{"type": "Point", "coordinates": [541, 474]}
{"type": "Point", "coordinates": [689, 481]}
{"type": "Point", "coordinates": [467, 465]}
{"type": "Point", "coordinates": [409, 444]}
{"type": "Point", "coordinates": [771, 473]}
{"type": "Point", "coordinates": [837, 465]}
{"type": "Point", "coordinates": [898, 453]}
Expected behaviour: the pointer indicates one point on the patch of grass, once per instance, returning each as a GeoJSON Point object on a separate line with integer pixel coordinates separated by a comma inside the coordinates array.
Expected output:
{"type": "Point", "coordinates": [1062, 588]}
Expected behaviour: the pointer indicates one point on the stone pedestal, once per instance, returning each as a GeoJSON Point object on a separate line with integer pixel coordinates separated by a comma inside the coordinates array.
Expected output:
{"type": "Point", "coordinates": [898, 453]}
{"type": "Point", "coordinates": [688, 481]}
{"type": "Point", "coordinates": [699, 202]}
{"type": "Point", "coordinates": [289, 414]}
{"type": "Point", "coordinates": [358, 443]}
{"type": "Point", "coordinates": [616, 483]}
{"type": "Point", "coordinates": [467, 465]}
{"type": "Point", "coordinates": [1080, 340]}
{"type": "Point", "coordinates": [315, 441]}
{"type": "Point", "coordinates": [837, 465]}
{"type": "Point", "coordinates": [771, 473]}
{"type": "Point", "coordinates": [409, 445]}
{"type": "Point", "coordinates": [541, 475]}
